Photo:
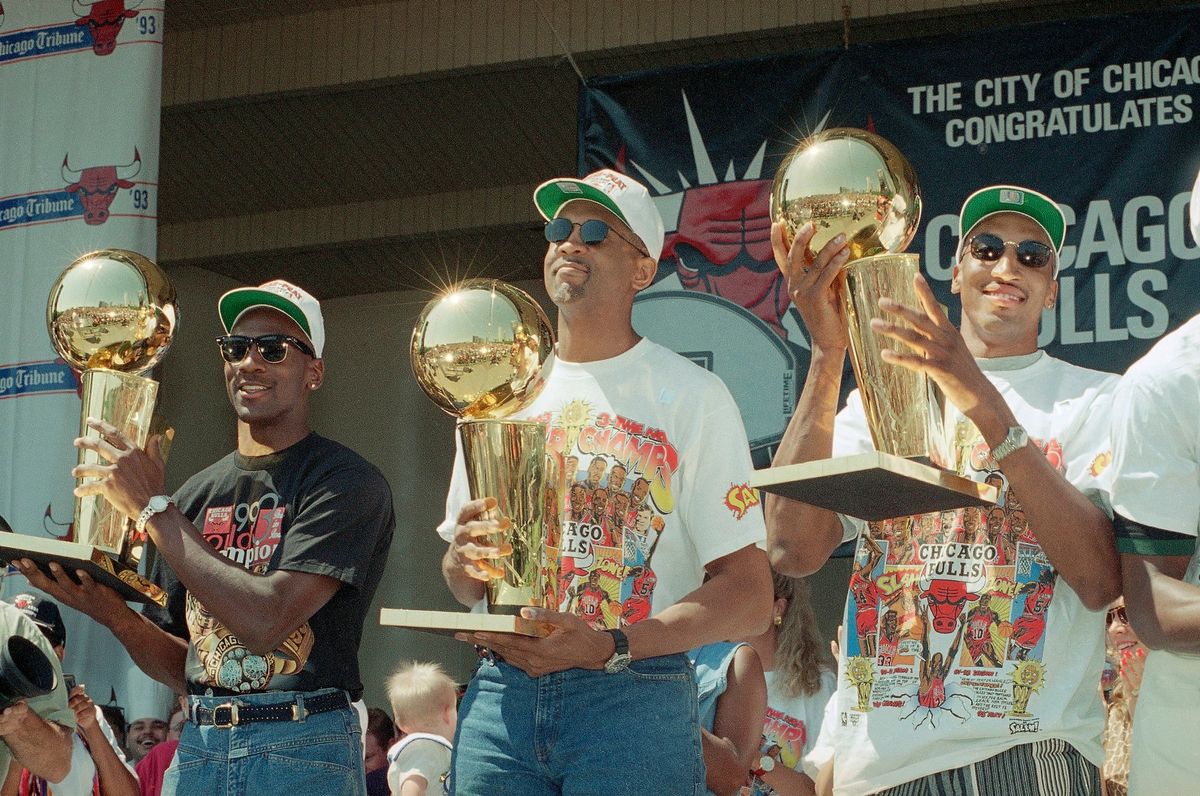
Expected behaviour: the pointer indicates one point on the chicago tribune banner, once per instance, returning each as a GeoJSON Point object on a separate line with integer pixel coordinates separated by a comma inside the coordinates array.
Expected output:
{"type": "Point", "coordinates": [80, 85]}
{"type": "Point", "coordinates": [1100, 114]}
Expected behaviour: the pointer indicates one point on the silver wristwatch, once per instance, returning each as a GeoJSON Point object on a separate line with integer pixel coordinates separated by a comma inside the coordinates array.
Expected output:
{"type": "Point", "coordinates": [1017, 438]}
{"type": "Point", "coordinates": [157, 503]}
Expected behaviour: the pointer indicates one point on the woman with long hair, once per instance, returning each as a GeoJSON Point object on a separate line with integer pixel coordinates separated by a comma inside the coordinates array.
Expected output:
{"type": "Point", "coordinates": [801, 677]}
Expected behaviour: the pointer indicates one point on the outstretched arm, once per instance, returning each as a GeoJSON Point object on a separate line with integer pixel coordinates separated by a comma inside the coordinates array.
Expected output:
{"type": "Point", "coordinates": [156, 652]}
{"type": "Point", "coordinates": [800, 537]}
{"type": "Point", "coordinates": [115, 778]}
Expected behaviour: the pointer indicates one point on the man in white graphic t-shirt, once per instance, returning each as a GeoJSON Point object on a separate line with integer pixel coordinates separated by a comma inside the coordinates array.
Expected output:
{"type": "Point", "coordinates": [1015, 706]}
{"type": "Point", "coordinates": [606, 703]}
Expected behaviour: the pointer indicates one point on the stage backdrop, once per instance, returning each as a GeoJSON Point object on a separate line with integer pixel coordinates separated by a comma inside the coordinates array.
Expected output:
{"type": "Point", "coordinates": [79, 110]}
{"type": "Point", "coordinates": [1100, 114]}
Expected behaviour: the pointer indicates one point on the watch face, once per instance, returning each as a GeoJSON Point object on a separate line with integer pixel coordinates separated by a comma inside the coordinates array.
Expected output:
{"type": "Point", "coordinates": [159, 502]}
{"type": "Point", "coordinates": [617, 662]}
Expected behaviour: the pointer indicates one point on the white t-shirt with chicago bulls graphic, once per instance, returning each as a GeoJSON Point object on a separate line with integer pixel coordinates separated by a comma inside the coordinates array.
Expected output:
{"type": "Point", "coordinates": [961, 641]}
{"type": "Point", "coordinates": [656, 462]}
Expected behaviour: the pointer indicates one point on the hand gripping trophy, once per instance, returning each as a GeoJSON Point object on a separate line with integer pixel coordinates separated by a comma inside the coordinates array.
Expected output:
{"type": "Point", "coordinates": [481, 352]}
{"type": "Point", "coordinates": [853, 182]}
{"type": "Point", "coordinates": [112, 315]}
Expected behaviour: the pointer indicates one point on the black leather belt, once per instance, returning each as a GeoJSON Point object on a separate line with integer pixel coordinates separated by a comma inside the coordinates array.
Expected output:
{"type": "Point", "coordinates": [232, 714]}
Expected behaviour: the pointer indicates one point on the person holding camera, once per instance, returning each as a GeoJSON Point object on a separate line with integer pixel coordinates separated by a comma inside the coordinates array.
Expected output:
{"type": "Point", "coordinates": [96, 757]}
{"type": "Point", "coordinates": [35, 731]}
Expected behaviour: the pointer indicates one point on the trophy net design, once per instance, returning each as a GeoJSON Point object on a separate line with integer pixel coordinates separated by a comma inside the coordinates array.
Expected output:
{"type": "Point", "coordinates": [481, 352]}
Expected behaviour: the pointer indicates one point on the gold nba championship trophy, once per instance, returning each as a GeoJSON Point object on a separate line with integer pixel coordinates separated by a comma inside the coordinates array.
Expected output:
{"type": "Point", "coordinates": [112, 315]}
{"type": "Point", "coordinates": [853, 182]}
{"type": "Point", "coordinates": [481, 352]}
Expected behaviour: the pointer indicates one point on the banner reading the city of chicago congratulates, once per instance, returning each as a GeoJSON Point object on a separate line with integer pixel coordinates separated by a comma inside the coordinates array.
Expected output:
{"type": "Point", "coordinates": [80, 88]}
{"type": "Point", "coordinates": [1100, 114]}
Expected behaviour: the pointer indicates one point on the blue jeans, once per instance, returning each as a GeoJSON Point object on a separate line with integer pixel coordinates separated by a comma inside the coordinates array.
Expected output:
{"type": "Point", "coordinates": [580, 732]}
{"type": "Point", "coordinates": [321, 754]}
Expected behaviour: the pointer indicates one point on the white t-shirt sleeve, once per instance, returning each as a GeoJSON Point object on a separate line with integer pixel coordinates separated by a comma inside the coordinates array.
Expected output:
{"type": "Point", "coordinates": [851, 436]}
{"type": "Point", "coordinates": [715, 511]}
{"type": "Point", "coordinates": [82, 773]}
{"type": "Point", "coordinates": [1091, 445]}
{"type": "Point", "coordinates": [106, 729]}
{"type": "Point", "coordinates": [1155, 418]}
{"type": "Point", "coordinates": [822, 749]}
{"type": "Point", "coordinates": [458, 494]}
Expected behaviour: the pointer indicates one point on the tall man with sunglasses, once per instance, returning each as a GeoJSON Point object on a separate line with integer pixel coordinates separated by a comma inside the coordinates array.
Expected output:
{"type": "Point", "coordinates": [1026, 716]}
{"type": "Point", "coordinates": [607, 703]}
{"type": "Point", "coordinates": [269, 558]}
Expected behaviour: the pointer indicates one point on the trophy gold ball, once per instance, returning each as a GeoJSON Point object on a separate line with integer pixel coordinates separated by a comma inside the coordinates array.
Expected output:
{"type": "Point", "coordinates": [852, 182]}
{"type": "Point", "coordinates": [112, 309]}
{"type": "Point", "coordinates": [482, 349]}
{"type": "Point", "coordinates": [111, 315]}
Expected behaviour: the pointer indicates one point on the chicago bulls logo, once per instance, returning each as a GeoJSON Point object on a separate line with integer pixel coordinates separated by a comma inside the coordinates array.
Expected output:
{"type": "Point", "coordinates": [104, 18]}
{"type": "Point", "coordinates": [719, 231]}
{"type": "Point", "coordinates": [97, 185]}
{"type": "Point", "coordinates": [946, 600]}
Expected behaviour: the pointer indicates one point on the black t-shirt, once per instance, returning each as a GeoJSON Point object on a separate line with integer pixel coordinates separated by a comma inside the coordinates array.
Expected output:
{"type": "Point", "coordinates": [315, 507]}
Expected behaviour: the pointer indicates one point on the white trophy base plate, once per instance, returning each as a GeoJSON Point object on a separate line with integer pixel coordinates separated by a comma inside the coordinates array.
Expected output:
{"type": "Point", "coordinates": [447, 623]}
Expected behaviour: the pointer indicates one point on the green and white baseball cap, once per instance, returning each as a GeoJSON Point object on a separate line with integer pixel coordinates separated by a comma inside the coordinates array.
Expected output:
{"type": "Point", "coordinates": [995, 199]}
{"type": "Point", "coordinates": [294, 302]}
{"type": "Point", "coordinates": [623, 196]}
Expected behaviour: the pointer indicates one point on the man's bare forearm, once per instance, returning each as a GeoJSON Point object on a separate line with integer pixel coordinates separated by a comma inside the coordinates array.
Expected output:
{"type": "Point", "coordinates": [41, 746]}
{"type": "Point", "coordinates": [800, 537]}
{"type": "Point", "coordinates": [735, 602]}
{"type": "Point", "coordinates": [155, 651]}
{"type": "Point", "coordinates": [1163, 610]}
{"type": "Point", "coordinates": [285, 599]}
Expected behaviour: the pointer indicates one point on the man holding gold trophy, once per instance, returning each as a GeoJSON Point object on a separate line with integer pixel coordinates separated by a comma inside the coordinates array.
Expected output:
{"type": "Point", "coordinates": [605, 702]}
{"type": "Point", "coordinates": [1026, 717]}
{"type": "Point", "coordinates": [269, 559]}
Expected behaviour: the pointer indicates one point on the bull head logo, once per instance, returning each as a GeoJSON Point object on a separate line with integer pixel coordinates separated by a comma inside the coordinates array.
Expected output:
{"type": "Point", "coordinates": [97, 185]}
{"type": "Point", "coordinates": [719, 230]}
{"type": "Point", "coordinates": [105, 18]}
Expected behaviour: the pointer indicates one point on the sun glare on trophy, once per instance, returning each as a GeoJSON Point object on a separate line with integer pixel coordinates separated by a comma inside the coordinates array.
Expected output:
{"type": "Point", "coordinates": [482, 349]}
{"type": "Point", "coordinates": [848, 181]}
{"type": "Point", "coordinates": [112, 309]}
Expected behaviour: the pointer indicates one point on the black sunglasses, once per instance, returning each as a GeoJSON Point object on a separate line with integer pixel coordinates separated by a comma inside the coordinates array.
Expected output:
{"type": "Point", "coordinates": [1030, 253]}
{"type": "Point", "coordinates": [1116, 613]}
{"type": "Point", "coordinates": [272, 348]}
{"type": "Point", "coordinates": [591, 232]}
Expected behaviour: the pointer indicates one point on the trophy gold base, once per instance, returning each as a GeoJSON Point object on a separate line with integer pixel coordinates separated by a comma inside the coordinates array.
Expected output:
{"type": "Point", "coordinates": [874, 486]}
{"type": "Point", "coordinates": [100, 565]}
{"type": "Point", "coordinates": [447, 623]}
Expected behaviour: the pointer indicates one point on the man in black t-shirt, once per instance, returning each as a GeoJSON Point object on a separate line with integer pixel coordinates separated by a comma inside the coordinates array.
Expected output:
{"type": "Point", "coordinates": [269, 558]}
